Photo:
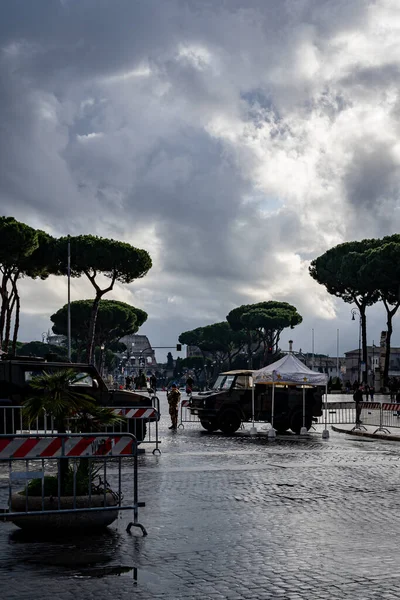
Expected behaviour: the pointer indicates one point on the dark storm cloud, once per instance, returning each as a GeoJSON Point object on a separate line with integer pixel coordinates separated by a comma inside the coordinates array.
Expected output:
{"type": "Point", "coordinates": [85, 37]}
{"type": "Point", "coordinates": [222, 135]}
{"type": "Point", "coordinates": [372, 186]}
{"type": "Point", "coordinates": [373, 77]}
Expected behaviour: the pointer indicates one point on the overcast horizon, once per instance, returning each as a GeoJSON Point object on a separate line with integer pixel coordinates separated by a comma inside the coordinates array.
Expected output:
{"type": "Point", "coordinates": [234, 140]}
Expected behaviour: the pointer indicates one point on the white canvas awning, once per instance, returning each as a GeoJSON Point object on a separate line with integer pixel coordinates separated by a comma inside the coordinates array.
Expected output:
{"type": "Point", "coordinates": [289, 370]}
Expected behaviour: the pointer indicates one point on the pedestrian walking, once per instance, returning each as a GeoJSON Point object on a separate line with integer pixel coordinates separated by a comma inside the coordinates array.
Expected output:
{"type": "Point", "coordinates": [153, 382]}
{"type": "Point", "coordinates": [372, 392]}
{"type": "Point", "coordinates": [128, 382]}
{"type": "Point", "coordinates": [358, 398]}
{"type": "Point", "coordinates": [143, 381]}
{"type": "Point", "coordinates": [367, 392]}
{"type": "Point", "coordinates": [174, 396]}
{"type": "Point", "coordinates": [189, 385]}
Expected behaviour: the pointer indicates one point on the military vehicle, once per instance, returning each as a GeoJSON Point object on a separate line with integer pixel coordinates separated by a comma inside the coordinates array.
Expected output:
{"type": "Point", "coordinates": [229, 404]}
{"type": "Point", "coordinates": [17, 372]}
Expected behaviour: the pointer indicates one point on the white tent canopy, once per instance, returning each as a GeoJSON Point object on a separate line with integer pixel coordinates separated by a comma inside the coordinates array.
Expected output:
{"type": "Point", "coordinates": [289, 370]}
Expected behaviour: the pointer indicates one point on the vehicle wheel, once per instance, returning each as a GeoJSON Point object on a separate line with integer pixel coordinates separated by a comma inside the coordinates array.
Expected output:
{"type": "Point", "coordinates": [138, 427]}
{"type": "Point", "coordinates": [229, 421]}
{"type": "Point", "coordinates": [296, 422]}
{"type": "Point", "coordinates": [210, 425]}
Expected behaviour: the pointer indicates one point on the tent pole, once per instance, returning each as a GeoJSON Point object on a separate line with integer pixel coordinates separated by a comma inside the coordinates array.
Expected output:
{"type": "Point", "coordinates": [253, 430]}
{"type": "Point", "coordinates": [271, 431]}
{"type": "Point", "coordinates": [325, 433]}
{"type": "Point", "coordinates": [303, 430]}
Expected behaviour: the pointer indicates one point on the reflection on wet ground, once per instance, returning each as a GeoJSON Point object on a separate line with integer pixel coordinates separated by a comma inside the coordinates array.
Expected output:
{"type": "Point", "coordinates": [99, 555]}
{"type": "Point", "coordinates": [231, 517]}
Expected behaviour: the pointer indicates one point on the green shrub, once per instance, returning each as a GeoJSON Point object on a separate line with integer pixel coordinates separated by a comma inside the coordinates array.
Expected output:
{"type": "Point", "coordinates": [51, 484]}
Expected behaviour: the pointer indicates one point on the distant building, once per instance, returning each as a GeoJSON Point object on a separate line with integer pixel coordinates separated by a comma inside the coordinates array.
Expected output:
{"type": "Point", "coordinates": [193, 351]}
{"type": "Point", "coordinates": [55, 340]}
{"type": "Point", "coordinates": [139, 354]}
{"type": "Point", "coordinates": [375, 364]}
{"type": "Point", "coordinates": [322, 363]}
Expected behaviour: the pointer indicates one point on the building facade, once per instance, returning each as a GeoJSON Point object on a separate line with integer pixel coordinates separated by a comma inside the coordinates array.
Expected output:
{"type": "Point", "coordinates": [374, 367]}
{"type": "Point", "coordinates": [139, 354]}
{"type": "Point", "coordinates": [322, 363]}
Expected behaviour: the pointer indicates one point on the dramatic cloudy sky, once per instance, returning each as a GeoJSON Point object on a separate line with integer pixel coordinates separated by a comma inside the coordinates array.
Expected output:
{"type": "Point", "coordinates": [235, 140]}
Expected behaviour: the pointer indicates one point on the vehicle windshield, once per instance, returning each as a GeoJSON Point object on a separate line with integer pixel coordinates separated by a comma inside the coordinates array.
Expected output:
{"type": "Point", "coordinates": [83, 379]}
{"type": "Point", "coordinates": [31, 374]}
{"type": "Point", "coordinates": [223, 382]}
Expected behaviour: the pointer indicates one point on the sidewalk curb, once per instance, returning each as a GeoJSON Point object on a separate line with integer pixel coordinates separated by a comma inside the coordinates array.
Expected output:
{"type": "Point", "coordinates": [377, 436]}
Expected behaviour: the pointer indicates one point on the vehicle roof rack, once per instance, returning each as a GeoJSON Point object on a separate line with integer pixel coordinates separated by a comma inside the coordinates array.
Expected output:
{"type": "Point", "coordinates": [23, 358]}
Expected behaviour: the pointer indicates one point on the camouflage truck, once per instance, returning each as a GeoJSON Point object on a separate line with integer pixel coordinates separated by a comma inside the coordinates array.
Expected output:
{"type": "Point", "coordinates": [17, 372]}
{"type": "Point", "coordinates": [229, 404]}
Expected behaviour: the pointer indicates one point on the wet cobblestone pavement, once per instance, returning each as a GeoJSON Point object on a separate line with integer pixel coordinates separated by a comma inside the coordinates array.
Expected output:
{"type": "Point", "coordinates": [233, 517]}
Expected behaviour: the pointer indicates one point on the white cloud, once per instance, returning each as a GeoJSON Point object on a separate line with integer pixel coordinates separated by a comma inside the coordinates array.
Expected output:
{"type": "Point", "coordinates": [235, 141]}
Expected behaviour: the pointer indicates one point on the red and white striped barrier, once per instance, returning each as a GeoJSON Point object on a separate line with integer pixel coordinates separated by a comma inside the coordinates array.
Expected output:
{"type": "Point", "coordinates": [371, 405]}
{"type": "Point", "coordinates": [37, 452]}
{"type": "Point", "coordinates": [394, 407]}
{"type": "Point", "coordinates": [186, 417]}
{"type": "Point", "coordinates": [64, 446]}
{"type": "Point", "coordinates": [136, 413]}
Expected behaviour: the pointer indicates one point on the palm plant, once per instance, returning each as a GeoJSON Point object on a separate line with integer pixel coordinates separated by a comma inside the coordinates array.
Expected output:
{"type": "Point", "coordinates": [54, 395]}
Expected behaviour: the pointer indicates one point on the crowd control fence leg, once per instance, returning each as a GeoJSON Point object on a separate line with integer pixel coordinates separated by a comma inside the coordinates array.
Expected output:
{"type": "Point", "coordinates": [136, 503]}
{"type": "Point", "coordinates": [141, 527]}
{"type": "Point", "coordinates": [157, 449]}
{"type": "Point", "coordinates": [181, 425]}
{"type": "Point", "coordinates": [156, 404]}
{"type": "Point", "coordinates": [381, 428]}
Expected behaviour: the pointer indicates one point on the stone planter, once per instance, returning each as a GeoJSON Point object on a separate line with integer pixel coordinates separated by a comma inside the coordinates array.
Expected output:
{"type": "Point", "coordinates": [87, 520]}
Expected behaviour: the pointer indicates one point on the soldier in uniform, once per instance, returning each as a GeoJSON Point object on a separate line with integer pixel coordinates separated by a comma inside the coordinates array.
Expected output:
{"type": "Point", "coordinates": [173, 401]}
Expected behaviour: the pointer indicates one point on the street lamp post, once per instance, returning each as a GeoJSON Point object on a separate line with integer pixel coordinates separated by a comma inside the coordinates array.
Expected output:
{"type": "Point", "coordinates": [355, 311]}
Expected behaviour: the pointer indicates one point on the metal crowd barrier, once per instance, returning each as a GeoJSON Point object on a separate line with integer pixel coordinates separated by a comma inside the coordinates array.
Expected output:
{"type": "Point", "coordinates": [387, 415]}
{"type": "Point", "coordinates": [379, 414]}
{"type": "Point", "coordinates": [185, 415]}
{"type": "Point", "coordinates": [32, 457]}
{"type": "Point", "coordinates": [140, 420]}
{"type": "Point", "coordinates": [339, 413]}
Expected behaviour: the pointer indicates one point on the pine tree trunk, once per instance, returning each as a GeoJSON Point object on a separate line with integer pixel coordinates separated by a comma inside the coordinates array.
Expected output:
{"type": "Point", "coordinates": [92, 328]}
{"type": "Point", "coordinates": [249, 352]}
{"type": "Point", "coordinates": [95, 310]}
{"type": "Point", "coordinates": [9, 311]}
{"type": "Point", "coordinates": [4, 305]}
{"type": "Point", "coordinates": [387, 350]}
{"type": "Point", "coordinates": [364, 343]}
{"type": "Point", "coordinates": [390, 314]}
{"type": "Point", "coordinates": [264, 359]}
{"type": "Point", "coordinates": [16, 321]}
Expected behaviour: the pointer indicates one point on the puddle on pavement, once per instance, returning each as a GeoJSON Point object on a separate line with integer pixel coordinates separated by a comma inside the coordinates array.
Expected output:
{"type": "Point", "coordinates": [137, 576]}
{"type": "Point", "coordinates": [98, 572]}
{"type": "Point", "coordinates": [96, 556]}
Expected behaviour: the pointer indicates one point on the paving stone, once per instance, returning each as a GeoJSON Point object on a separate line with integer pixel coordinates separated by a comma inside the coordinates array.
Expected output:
{"type": "Point", "coordinates": [234, 517]}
